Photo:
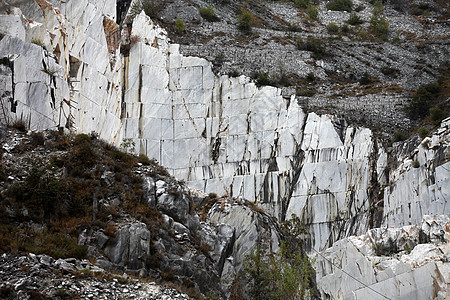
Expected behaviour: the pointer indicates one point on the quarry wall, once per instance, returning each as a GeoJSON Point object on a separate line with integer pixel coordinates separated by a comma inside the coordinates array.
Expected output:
{"type": "Point", "coordinates": [220, 134]}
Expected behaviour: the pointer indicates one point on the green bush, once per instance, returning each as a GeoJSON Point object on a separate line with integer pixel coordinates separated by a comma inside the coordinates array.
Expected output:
{"type": "Point", "coordinates": [354, 19]}
{"type": "Point", "coordinates": [437, 115]}
{"type": "Point", "coordinates": [41, 193]}
{"type": "Point", "coordinates": [179, 26]}
{"type": "Point", "coordinates": [423, 132]}
{"type": "Point", "coordinates": [400, 136]}
{"type": "Point", "coordinates": [263, 79]}
{"type": "Point", "coordinates": [345, 28]}
{"type": "Point", "coordinates": [365, 79]}
{"type": "Point", "coordinates": [312, 44]}
{"type": "Point", "coordinates": [378, 23]}
{"type": "Point", "coordinates": [302, 3]}
{"type": "Point", "coordinates": [340, 5]}
{"type": "Point", "coordinates": [287, 274]}
{"type": "Point", "coordinates": [407, 248]}
{"type": "Point", "coordinates": [415, 164]}
{"type": "Point", "coordinates": [422, 100]}
{"type": "Point", "coordinates": [244, 21]}
{"type": "Point", "coordinates": [150, 8]}
{"type": "Point", "coordinates": [332, 27]}
{"type": "Point", "coordinates": [208, 14]}
{"type": "Point", "coordinates": [313, 12]}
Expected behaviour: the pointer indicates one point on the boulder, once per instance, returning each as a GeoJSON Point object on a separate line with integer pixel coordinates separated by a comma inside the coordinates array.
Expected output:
{"type": "Point", "coordinates": [246, 227]}
{"type": "Point", "coordinates": [174, 204]}
{"type": "Point", "coordinates": [130, 247]}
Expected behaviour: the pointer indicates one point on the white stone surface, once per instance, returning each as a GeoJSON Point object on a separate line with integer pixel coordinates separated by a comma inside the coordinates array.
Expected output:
{"type": "Point", "coordinates": [352, 270]}
{"type": "Point", "coordinates": [415, 192]}
{"type": "Point", "coordinates": [12, 25]}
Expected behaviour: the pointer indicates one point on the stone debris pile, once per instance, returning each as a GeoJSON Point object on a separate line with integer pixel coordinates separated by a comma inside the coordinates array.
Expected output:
{"type": "Point", "coordinates": [40, 276]}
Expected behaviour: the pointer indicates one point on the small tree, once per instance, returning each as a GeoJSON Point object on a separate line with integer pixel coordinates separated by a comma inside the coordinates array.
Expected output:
{"type": "Point", "coordinates": [208, 14]}
{"type": "Point", "coordinates": [258, 273]}
{"type": "Point", "coordinates": [332, 27]}
{"type": "Point", "coordinates": [287, 274]}
{"type": "Point", "coordinates": [423, 100]}
{"type": "Point", "coordinates": [244, 21]}
{"type": "Point", "coordinates": [179, 26]}
{"type": "Point", "coordinates": [313, 12]}
{"type": "Point", "coordinates": [354, 19]}
{"type": "Point", "coordinates": [378, 23]}
{"type": "Point", "coordinates": [311, 44]}
{"type": "Point", "coordinates": [340, 5]}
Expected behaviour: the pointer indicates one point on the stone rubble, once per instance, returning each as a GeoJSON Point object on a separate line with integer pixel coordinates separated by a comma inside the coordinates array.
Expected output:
{"type": "Point", "coordinates": [21, 277]}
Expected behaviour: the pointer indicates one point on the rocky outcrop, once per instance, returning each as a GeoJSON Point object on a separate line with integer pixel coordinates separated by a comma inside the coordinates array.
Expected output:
{"type": "Point", "coordinates": [130, 246]}
{"type": "Point", "coordinates": [251, 228]}
{"type": "Point", "coordinates": [409, 262]}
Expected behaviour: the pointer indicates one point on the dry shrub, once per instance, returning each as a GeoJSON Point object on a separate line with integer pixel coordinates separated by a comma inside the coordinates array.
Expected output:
{"type": "Point", "coordinates": [37, 139]}
{"type": "Point", "coordinates": [143, 159]}
{"type": "Point", "coordinates": [20, 125]}
{"type": "Point", "coordinates": [110, 230]}
{"type": "Point", "coordinates": [169, 275]}
{"type": "Point", "coordinates": [254, 207]}
{"type": "Point", "coordinates": [205, 248]}
{"type": "Point", "coordinates": [134, 39]}
{"type": "Point", "coordinates": [55, 244]}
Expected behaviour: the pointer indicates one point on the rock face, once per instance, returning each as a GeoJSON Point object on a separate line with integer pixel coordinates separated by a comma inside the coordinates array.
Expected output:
{"type": "Point", "coordinates": [68, 71]}
{"type": "Point", "coordinates": [34, 88]}
{"type": "Point", "coordinates": [250, 227]}
{"type": "Point", "coordinates": [221, 134]}
{"type": "Point", "coordinates": [410, 262]}
{"type": "Point", "coordinates": [421, 183]}
{"type": "Point", "coordinates": [130, 247]}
